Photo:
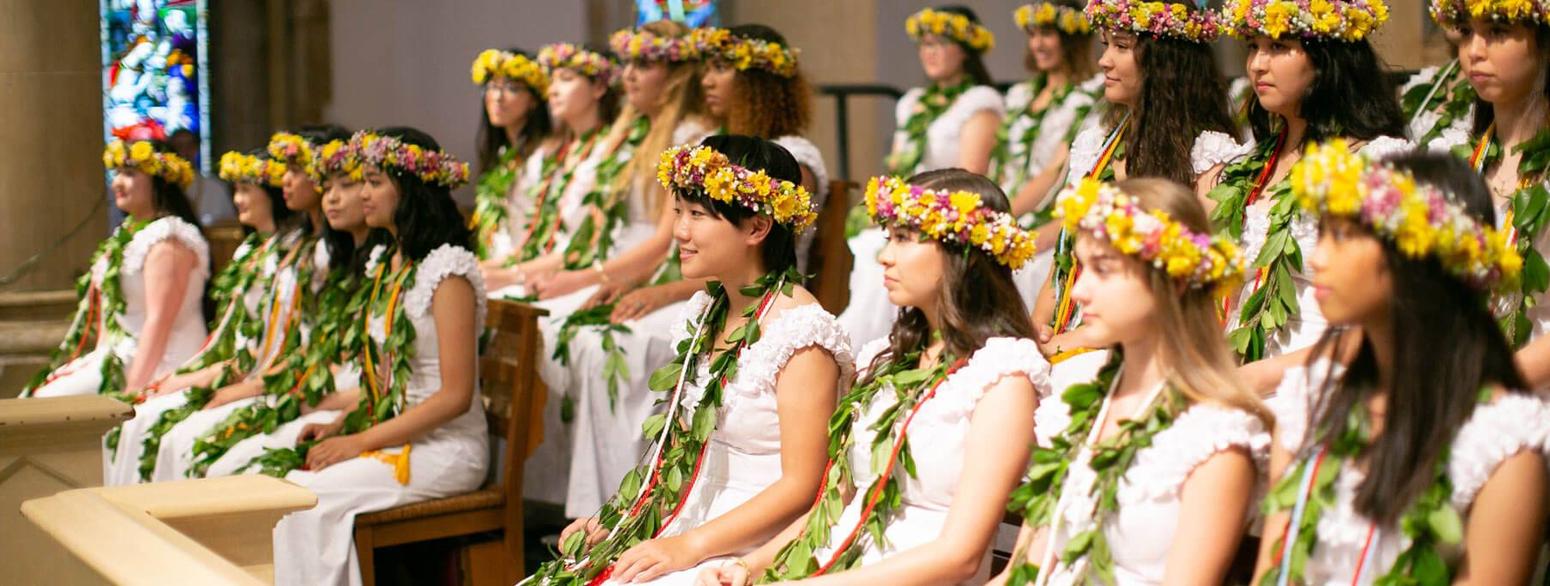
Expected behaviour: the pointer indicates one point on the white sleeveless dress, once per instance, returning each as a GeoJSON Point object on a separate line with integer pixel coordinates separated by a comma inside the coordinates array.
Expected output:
{"type": "Point", "coordinates": [316, 546]}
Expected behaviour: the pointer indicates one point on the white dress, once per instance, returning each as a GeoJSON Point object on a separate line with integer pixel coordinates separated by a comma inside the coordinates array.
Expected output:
{"type": "Point", "coordinates": [1496, 431]}
{"type": "Point", "coordinates": [316, 546]}
{"type": "Point", "coordinates": [1303, 330]}
{"type": "Point", "coordinates": [1062, 118]}
{"type": "Point", "coordinates": [743, 456]}
{"type": "Point", "coordinates": [1141, 533]}
{"type": "Point", "coordinates": [83, 376]}
{"type": "Point", "coordinates": [870, 315]}
{"type": "Point", "coordinates": [936, 441]}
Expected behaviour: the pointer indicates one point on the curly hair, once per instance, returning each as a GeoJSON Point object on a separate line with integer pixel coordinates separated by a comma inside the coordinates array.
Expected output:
{"type": "Point", "coordinates": [766, 105]}
{"type": "Point", "coordinates": [1182, 95]}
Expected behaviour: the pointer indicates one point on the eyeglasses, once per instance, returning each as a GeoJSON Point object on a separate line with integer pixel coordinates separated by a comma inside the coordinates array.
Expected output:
{"type": "Point", "coordinates": [503, 89]}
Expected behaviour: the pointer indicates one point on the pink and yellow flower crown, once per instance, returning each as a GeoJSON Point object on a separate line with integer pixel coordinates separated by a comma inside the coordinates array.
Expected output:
{"type": "Point", "coordinates": [644, 45]}
{"type": "Point", "coordinates": [493, 63]}
{"type": "Point", "coordinates": [142, 156]}
{"type": "Point", "coordinates": [959, 218]}
{"type": "Point", "coordinates": [951, 25]}
{"type": "Point", "coordinates": [290, 149]}
{"type": "Point", "coordinates": [744, 54]}
{"type": "Point", "coordinates": [1175, 20]}
{"type": "Point", "coordinates": [595, 65]}
{"type": "Point", "coordinates": [244, 168]}
{"type": "Point", "coordinates": [1050, 15]}
{"type": "Point", "coordinates": [1106, 212]}
{"type": "Point", "coordinates": [385, 152]}
{"type": "Point", "coordinates": [1451, 12]}
{"type": "Point", "coordinates": [335, 158]}
{"type": "Point", "coordinates": [1344, 20]}
{"type": "Point", "coordinates": [1419, 219]}
{"type": "Point", "coordinates": [701, 167]}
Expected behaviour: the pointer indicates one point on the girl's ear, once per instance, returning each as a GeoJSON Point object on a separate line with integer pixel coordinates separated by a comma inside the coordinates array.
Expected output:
{"type": "Point", "coordinates": [758, 228]}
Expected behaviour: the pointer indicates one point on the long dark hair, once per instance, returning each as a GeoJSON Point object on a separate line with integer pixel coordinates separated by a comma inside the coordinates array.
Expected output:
{"type": "Point", "coordinates": [778, 250]}
{"type": "Point", "coordinates": [1351, 96]}
{"type": "Point", "coordinates": [1434, 387]}
{"type": "Point", "coordinates": [535, 126]}
{"type": "Point", "coordinates": [767, 105]}
{"type": "Point", "coordinates": [1182, 95]}
{"type": "Point", "coordinates": [279, 214]}
{"type": "Point", "coordinates": [316, 136]}
{"type": "Point", "coordinates": [1485, 114]}
{"type": "Point", "coordinates": [426, 216]}
{"type": "Point", "coordinates": [978, 299]}
{"type": "Point", "coordinates": [973, 60]}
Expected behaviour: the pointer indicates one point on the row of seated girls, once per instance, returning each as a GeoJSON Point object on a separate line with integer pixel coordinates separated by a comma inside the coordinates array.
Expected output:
{"type": "Point", "coordinates": [1107, 263]}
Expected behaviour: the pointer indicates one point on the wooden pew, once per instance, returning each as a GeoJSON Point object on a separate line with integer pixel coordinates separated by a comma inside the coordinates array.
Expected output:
{"type": "Point", "coordinates": [830, 259]}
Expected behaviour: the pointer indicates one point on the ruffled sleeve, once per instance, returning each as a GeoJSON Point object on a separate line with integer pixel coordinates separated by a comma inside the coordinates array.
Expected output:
{"type": "Point", "coordinates": [446, 261]}
{"type": "Point", "coordinates": [998, 359]}
{"type": "Point", "coordinates": [1214, 148]}
{"type": "Point", "coordinates": [1050, 418]}
{"type": "Point", "coordinates": [807, 155]}
{"type": "Point", "coordinates": [1085, 152]}
{"type": "Point", "coordinates": [1197, 434]}
{"type": "Point", "coordinates": [980, 98]}
{"type": "Point", "coordinates": [1495, 432]}
{"type": "Point", "coordinates": [794, 329]}
{"type": "Point", "coordinates": [167, 228]}
{"type": "Point", "coordinates": [1385, 146]}
{"type": "Point", "coordinates": [684, 326]}
{"type": "Point", "coordinates": [689, 131]}
{"type": "Point", "coordinates": [1293, 402]}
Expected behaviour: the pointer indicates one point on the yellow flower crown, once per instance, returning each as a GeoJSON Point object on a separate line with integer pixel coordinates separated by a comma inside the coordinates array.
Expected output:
{"type": "Point", "coordinates": [958, 218]}
{"type": "Point", "coordinates": [335, 158]}
{"type": "Point", "coordinates": [1050, 15]}
{"type": "Point", "coordinates": [1451, 12]}
{"type": "Point", "coordinates": [744, 54]}
{"type": "Point", "coordinates": [385, 152]}
{"type": "Point", "coordinates": [951, 25]}
{"type": "Point", "coordinates": [493, 63]}
{"type": "Point", "coordinates": [1419, 219]}
{"type": "Point", "coordinates": [597, 66]}
{"type": "Point", "coordinates": [1176, 20]}
{"type": "Point", "coordinates": [1108, 213]}
{"type": "Point", "coordinates": [700, 167]}
{"type": "Point", "coordinates": [290, 149]}
{"type": "Point", "coordinates": [644, 45]}
{"type": "Point", "coordinates": [1345, 20]}
{"type": "Point", "coordinates": [244, 168]}
{"type": "Point", "coordinates": [141, 155]}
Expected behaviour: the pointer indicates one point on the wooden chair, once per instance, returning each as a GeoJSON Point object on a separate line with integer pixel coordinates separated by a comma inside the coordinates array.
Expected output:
{"type": "Point", "coordinates": [508, 381]}
{"type": "Point", "coordinates": [830, 259]}
{"type": "Point", "coordinates": [224, 239]}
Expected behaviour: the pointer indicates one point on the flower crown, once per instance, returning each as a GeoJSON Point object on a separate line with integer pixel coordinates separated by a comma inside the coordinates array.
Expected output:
{"type": "Point", "coordinates": [290, 149]}
{"type": "Point", "coordinates": [701, 167]}
{"type": "Point", "coordinates": [1161, 19]}
{"type": "Point", "coordinates": [951, 25]}
{"type": "Point", "coordinates": [744, 54]}
{"type": "Point", "coordinates": [958, 217]}
{"type": "Point", "coordinates": [1345, 20]}
{"type": "Point", "coordinates": [493, 63]}
{"type": "Point", "coordinates": [141, 155]}
{"type": "Point", "coordinates": [1106, 212]}
{"type": "Point", "coordinates": [385, 152]}
{"type": "Point", "coordinates": [567, 56]}
{"type": "Point", "coordinates": [644, 45]}
{"type": "Point", "coordinates": [1050, 15]}
{"type": "Point", "coordinates": [1419, 219]}
{"type": "Point", "coordinates": [244, 168]}
{"type": "Point", "coordinates": [335, 158]}
{"type": "Point", "coordinates": [1511, 11]}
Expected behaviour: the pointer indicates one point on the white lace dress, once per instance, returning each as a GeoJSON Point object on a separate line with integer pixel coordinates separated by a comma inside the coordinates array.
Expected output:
{"type": "Point", "coordinates": [1141, 533]}
{"type": "Point", "coordinates": [743, 457]}
{"type": "Point", "coordinates": [936, 441]}
{"type": "Point", "coordinates": [83, 376]}
{"type": "Point", "coordinates": [1509, 425]}
{"type": "Point", "coordinates": [316, 546]}
{"type": "Point", "coordinates": [1304, 329]}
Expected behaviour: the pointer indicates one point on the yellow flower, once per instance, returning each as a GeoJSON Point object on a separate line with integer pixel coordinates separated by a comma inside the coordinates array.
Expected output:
{"type": "Point", "coordinates": [140, 151]}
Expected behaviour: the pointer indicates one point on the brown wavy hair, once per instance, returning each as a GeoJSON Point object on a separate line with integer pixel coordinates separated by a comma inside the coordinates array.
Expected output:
{"type": "Point", "coordinates": [1182, 95]}
{"type": "Point", "coordinates": [764, 104]}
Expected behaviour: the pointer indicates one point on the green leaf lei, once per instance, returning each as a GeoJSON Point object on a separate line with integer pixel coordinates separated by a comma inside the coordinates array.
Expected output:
{"type": "Point", "coordinates": [910, 384]}
{"type": "Point", "coordinates": [490, 199]}
{"type": "Point", "coordinates": [1530, 207]}
{"type": "Point", "coordinates": [650, 495]}
{"type": "Point", "coordinates": [1274, 303]}
{"type": "Point", "coordinates": [1430, 522]}
{"type": "Point", "coordinates": [590, 242]}
{"type": "Point", "coordinates": [1009, 161]}
{"type": "Point", "coordinates": [1064, 257]}
{"type": "Point", "coordinates": [1038, 500]}
{"type": "Point", "coordinates": [615, 368]}
{"type": "Point", "coordinates": [1449, 95]}
{"type": "Point", "coordinates": [546, 225]}
{"type": "Point", "coordinates": [103, 303]}
{"type": "Point", "coordinates": [934, 100]}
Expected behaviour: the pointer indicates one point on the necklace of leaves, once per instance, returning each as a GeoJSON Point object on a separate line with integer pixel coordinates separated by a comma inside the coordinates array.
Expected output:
{"type": "Point", "coordinates": [1528, 212]}
{"type": "Point", "coordinates": [912, 386]}
{"type": "Point", "coordinates": [934, 100]}
{"type": "Point", "coordinates": [1448, 95]}
{"type": "Point", "coordinates": [1065, 270]}
{"type": "Point", "coordinates": [1045, 499]}
{"type": "Point", "coordinates": [650, 496]}
{"type": "Point", "coordinates": [1308, 491]}
{"type": "Point", "coordinates": [546, 225]}
{"type": "Point", "coordinates": [101, 301]}
{"type": "Point", "coordinates": [1273, 300]}
{"type": "Point", "coordinates": [490, 198]}
{"type": "Point", "coordinates": [1009, 161]}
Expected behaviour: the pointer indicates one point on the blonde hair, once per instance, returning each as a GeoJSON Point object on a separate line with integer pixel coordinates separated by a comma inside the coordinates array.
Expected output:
{"type": "Point", "coordinates": [1198, 361]}
{"type": "Point", "coordinates": [682, 99]}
